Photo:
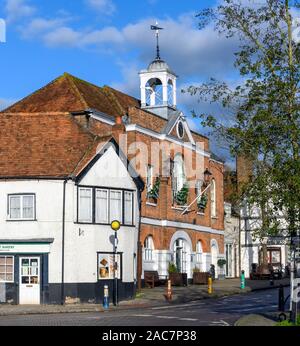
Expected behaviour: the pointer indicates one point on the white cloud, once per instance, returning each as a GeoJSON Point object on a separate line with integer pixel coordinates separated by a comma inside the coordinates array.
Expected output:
{"type": "Point", "coordinates": [66, 36]}
{"type": "Point", "coordinates": [62, 36]}
{"type": "Point", "coordinates": [17, 9]}
{"type": "Point", "coordinates": [130, 84]}
{"type": "Point", "coordinates": [102, 6]}
{"type": "Point", "coordinates": [39, 26]}
{"type": "Point", "coordinates": [188, 50]}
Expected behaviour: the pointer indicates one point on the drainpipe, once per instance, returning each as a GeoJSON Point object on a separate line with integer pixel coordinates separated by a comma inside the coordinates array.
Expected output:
{"type": "Point", "coordinates": [139, 246]}
{"type": "Point", "coordinates": [63, 245]}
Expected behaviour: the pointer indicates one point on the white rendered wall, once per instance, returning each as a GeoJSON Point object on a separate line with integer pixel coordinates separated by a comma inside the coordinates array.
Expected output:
{"type": "Point", "coordinates": [82, 242]}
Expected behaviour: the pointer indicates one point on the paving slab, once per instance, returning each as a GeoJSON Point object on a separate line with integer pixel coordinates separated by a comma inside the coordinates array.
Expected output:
{"type": "Point", "coordinates": [255, 321]}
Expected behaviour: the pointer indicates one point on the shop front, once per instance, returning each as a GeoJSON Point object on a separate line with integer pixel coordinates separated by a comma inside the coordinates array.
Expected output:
{"type": "Point", "coordinates": [24, 271]}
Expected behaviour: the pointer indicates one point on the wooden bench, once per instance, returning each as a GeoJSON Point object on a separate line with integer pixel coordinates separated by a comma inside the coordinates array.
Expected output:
{"type": "Point", "coordinates": [152, 279]}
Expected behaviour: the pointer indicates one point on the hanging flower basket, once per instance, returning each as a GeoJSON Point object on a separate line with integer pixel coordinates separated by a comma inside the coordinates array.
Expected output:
{"type": "Point", "coordinates": [181, 197]}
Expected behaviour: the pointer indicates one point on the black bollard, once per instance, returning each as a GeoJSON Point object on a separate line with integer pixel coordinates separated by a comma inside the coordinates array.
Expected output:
{"type": "Point", "coordinates": [281, 299]}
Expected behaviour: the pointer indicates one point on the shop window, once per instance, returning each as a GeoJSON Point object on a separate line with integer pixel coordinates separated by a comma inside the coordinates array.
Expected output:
{"type": "Point", "coordinates": [106, 266]}
{"type": "Point", "coordinates": [6, 269]}
{"type": "Point", "coordinates": [274, 256]}
{"type": "Point", "coordinates": [21, 207]}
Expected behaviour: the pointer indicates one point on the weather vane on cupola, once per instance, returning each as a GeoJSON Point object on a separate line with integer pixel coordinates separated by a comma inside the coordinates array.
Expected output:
{"type": "Point", "coordinates": [157, 29]}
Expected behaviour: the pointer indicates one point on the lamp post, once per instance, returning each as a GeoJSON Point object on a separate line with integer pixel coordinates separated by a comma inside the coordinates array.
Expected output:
{"type": "Point", "coordinates": [115, 226]}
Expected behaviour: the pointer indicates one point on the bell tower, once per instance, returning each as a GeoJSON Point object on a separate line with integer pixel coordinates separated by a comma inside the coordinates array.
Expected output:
{"type": "Point", "coordinates": [158, 84]}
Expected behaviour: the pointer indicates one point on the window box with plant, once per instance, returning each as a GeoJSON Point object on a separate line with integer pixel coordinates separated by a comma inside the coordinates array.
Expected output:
{"type": "Point", "coordinates": [202, 203]}
{"type": "Point", "coordinates": [181, 197]}
{"type": "Point", "coordinates": [153, 194]}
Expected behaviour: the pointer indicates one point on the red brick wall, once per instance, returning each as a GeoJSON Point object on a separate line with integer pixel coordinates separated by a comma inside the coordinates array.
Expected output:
{"type": "Point", "coordinates": [162, 238]}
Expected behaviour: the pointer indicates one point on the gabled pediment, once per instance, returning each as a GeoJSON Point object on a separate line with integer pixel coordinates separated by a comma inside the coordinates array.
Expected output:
{"type": "Point", "coordinates": [177, 127]}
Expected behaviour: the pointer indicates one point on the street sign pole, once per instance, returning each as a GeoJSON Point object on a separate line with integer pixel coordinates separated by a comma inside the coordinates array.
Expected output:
{"type": "Point", "coordinates": [115, 226]}
{"type": "Point", "coordinates": [115, 270]}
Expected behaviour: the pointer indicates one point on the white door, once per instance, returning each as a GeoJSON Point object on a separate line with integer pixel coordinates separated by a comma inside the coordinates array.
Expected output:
{"type": "Point", "coordinates": [29, 280]}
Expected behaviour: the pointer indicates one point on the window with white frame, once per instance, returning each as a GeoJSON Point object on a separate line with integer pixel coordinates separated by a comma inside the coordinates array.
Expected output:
{"type": "Point", "coordinates": [21, 207]}
{"type": "Point", "coordinates": [128, 208]}
{"type": "Point", "coordinates": [148, 249]}
{"type": "Point", "coordinates": [6, 269]}
{"type": "Point", "coordinates": [97, 205]}
{"type": "Point", "coordinates": [115, 209]}
{"type": "Point", "coordinates": [102, 198]}
{"type": "Point", "coordinates": [199, 184]}
{"type": "Point", "coordinates": [149, 178]}
{"type": "Point", "coordinates": [179, 172]}
{"type": "Point", "coordinates": [199, 252]}
{"type": "Point", "coordinates": [85, 205]}
{"type": "Point", "coordinates": [213, 199]}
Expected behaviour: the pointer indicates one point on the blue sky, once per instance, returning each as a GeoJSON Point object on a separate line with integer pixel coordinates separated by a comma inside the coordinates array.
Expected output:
{"type": "Point", "coordinates": [107, 42]}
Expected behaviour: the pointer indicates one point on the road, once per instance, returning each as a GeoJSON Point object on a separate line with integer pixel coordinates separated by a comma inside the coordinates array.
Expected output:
{"type": "Point", "coordinates": [211, 312]}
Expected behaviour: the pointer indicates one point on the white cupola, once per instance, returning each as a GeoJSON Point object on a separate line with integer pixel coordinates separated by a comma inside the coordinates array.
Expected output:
{"type": "Point", "coordinates": [158, 85]}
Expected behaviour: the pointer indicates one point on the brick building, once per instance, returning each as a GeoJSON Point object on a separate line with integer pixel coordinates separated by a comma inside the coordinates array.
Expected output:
{"type": "Point", "coordinates": [169, 231]}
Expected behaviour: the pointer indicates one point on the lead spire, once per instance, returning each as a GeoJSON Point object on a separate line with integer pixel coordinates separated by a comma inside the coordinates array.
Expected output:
{"type": "Point", "coordinates": [157, 29]}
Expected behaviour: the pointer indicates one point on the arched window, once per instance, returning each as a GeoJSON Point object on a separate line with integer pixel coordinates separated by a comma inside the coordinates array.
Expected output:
{"type": "Point", "coordinates": [154, 92]}
{"type": "Point", "coordinates": [179, 173]}
{"type": "Point", "coordinates": [213, 199]}
{"type": "Point", "coordinates": [199, 252]}
{"type": "Point", "coordinates": [148, 249]}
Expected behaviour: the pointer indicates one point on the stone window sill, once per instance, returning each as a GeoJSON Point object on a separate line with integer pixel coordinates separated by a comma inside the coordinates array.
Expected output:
{"type": "Point", "coordinates": [151, 204]}
{"type": "Point", "coordinates": [179, 208]}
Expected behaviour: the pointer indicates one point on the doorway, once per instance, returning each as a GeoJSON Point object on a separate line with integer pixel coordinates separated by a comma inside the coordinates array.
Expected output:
{"type": "Point", "coordinates": [29, 293]}
{"type": "Point", "coordinates": [180, 255]}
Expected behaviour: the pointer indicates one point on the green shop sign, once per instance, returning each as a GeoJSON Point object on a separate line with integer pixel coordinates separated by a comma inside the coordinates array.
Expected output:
{"type": "Point", "coordinates": [6, 247]}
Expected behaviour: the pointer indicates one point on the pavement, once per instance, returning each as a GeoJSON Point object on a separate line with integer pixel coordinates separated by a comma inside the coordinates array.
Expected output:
{"type": "Point", "coordinates": [253, 320]}
{"type": "Point", "coordinates": [224, 311]}
{"type": "Point", "coordinates": [149, 298]}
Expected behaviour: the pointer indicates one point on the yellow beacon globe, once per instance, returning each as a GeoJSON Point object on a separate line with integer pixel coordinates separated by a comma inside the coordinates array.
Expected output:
{"type": "Point", "coordinates": [115, 225]}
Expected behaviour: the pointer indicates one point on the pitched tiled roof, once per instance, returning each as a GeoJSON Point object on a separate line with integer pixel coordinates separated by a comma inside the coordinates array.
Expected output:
{"type": "Point", "coordinates": [71, 94]}
{"type": "Point", "coordinates": [60, 95]}
{"type": "Point", "coordinates": [43, 145]}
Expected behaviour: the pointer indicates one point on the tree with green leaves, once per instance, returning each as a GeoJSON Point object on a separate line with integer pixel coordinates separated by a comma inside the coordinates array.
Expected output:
{"type": "Point", "coordinates": [261, 115]}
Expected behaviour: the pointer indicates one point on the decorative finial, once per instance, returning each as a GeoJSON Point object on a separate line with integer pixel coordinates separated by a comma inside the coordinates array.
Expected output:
{"type": "Point", "coordinates": [156, 28]}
